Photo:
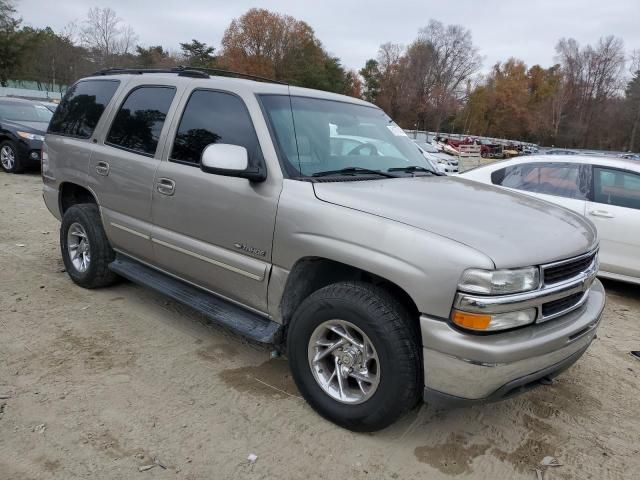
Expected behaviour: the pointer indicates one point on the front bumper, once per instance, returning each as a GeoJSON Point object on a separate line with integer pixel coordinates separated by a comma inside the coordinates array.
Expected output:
{"type": "Point", "coordinates": [29, 151]}
{"type": "Point", "coordinates": [467, 368]}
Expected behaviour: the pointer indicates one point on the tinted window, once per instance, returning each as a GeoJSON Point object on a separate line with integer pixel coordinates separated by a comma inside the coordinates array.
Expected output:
{"type": "Point", "coordinates": [214, 117]}
{"type": "Point", "coordinates": [82, 106]}
{"type": "Point", "coordinates": [615, 187]}
{"type": "Point", "coordinates": [139, 121]}
{"type": "Point", "coordinates": [563, 180]}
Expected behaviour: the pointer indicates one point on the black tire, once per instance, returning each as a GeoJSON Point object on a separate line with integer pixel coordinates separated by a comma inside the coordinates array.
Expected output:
{"type": "Point", "coordinates": [394, 336]}
{"type": "Point", "coordinates": [97, 274]}
{"type": "Point", "coordinates": [17, 165]}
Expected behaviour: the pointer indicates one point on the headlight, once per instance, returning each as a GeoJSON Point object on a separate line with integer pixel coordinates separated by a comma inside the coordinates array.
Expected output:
{"type": "Point", "coordinates": [30, 136]}
{"type": "Point", "coordinates": [496, 321]}
{"type": "Point", "coordinates": [499, 282]}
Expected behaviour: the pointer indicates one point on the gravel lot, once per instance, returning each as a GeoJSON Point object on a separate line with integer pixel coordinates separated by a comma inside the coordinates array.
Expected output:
{"type": "Point", "coordinates": [96, 384]}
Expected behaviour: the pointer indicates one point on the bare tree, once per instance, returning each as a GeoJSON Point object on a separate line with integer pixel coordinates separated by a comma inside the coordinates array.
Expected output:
{"type": "Point", "coordinates": [105, 36]}
{"type": "Point", "coordinates": [453, 59]}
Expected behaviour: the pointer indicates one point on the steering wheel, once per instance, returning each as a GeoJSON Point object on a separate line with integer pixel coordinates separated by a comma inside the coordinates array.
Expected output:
{"type": "Point", "coordinates": [370, 146]}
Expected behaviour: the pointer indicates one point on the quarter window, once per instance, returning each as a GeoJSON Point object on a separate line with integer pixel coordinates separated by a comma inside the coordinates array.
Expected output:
{"type": "Point", "coordinates": [82, 106]}
{"type": "Point", "coordinates": [214, 117]}
{"type": "Point", "coordinates": [616, 187]}
{"type": "Point", "coordinates": [562, 180]}
{"type": "Point", "coordinates": [139, 121]}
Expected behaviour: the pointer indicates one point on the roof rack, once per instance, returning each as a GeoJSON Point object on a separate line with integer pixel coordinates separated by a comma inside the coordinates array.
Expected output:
{"type": "Point", "coordinates": [186, 71]}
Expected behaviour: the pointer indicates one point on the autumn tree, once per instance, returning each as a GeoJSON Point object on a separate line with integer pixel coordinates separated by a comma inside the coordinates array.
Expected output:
{"type": "Point", "coordinates": [278, 46]}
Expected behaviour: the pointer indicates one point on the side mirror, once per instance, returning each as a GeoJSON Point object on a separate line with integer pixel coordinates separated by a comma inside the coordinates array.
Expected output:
{"type": "Point", "coordinates": [229, 160]}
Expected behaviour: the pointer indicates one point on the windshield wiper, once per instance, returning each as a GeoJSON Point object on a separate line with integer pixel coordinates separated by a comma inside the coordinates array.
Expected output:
{"type": "Point", "coordinates": [353, 171]}
{"type": "Point", "coordinates": [415, 168]}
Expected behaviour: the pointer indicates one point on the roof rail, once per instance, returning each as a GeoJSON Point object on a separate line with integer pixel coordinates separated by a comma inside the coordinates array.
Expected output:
{"type": "Point", "coordinates": [186, 71]}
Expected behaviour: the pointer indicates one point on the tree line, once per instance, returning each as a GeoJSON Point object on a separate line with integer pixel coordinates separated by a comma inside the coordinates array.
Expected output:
{"type": "Point", "coordinates": [589, 98]}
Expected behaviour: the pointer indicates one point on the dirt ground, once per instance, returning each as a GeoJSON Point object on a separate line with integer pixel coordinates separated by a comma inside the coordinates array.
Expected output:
{"type": "Point", "coordinates": [97, 384]}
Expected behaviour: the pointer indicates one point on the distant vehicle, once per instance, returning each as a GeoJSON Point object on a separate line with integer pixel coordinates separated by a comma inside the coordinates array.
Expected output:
{"type": "Point", "coordinates": [23, 124]}
{"type": "Point", "coordinates": [630, 156]}
{"type": "Point", "coordinates": [441, 161]}
{"type": "Point", "coordinates": [604, 189]}
{"type": "Point", "coordinates": [561, 151]}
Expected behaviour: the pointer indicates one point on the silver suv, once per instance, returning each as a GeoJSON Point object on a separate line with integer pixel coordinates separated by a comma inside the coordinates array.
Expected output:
{"type": "Point", "coordinates": [382, 280]}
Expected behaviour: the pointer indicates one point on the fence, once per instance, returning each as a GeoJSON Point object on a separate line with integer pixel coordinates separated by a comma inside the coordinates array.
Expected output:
{"type": "Point", "coordinates": [29, 93]}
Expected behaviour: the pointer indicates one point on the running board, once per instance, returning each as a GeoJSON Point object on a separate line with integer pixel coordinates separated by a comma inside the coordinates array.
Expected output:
{"type": "Point", "coordinates": [216, 309]}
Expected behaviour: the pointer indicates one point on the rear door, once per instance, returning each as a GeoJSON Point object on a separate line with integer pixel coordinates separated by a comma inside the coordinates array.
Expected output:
{"type": "Point", "coordinates": [215, 231]}
{"type": "Point", "coordinates": [123, 165]}
{"type": "Point", "coordinates": [615, 210]}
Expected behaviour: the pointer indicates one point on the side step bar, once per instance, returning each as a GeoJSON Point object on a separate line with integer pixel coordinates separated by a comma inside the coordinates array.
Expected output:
{"type": "Point", "coordinates": [216, 309]}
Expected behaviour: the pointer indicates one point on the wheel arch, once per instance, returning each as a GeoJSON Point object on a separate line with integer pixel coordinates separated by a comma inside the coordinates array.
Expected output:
{"type": "Point", "coordinates": [310, 274]}
{"type": "Point", "coordinates": [72, 194]}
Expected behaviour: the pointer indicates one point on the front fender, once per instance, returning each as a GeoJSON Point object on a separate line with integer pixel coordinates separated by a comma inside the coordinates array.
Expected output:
{"type": "Point", "coordinates": [425, 265]}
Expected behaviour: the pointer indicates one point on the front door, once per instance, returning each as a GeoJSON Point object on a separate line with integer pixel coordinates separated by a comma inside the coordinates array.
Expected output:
{"type": "Point", "coordinates": [615, 210]}
{"type": "Point", "coordinates": [123, 166]}
{"type": "Point", "coordinates": [211, 230]}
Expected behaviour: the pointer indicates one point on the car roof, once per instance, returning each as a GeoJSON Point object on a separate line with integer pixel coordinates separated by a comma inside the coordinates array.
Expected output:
{"type": "Point", "coordinates": [239, 85]}
{"type": "Point", "coordinates": [600, 160]}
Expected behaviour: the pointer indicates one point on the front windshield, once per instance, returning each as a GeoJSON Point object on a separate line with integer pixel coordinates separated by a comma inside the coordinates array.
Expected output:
{"type": "Point", "coordinates": [25, 112]}
{"type": "Point", "coordinates": [316, 135]}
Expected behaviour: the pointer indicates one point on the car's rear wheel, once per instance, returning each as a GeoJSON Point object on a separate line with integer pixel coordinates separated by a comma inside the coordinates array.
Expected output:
{"type": "Point", "coordinates": [86, 252]}
{"type": "Point", "coordinates": [9, 157]}
{"type": "Point", "coordinates": [354, 355]}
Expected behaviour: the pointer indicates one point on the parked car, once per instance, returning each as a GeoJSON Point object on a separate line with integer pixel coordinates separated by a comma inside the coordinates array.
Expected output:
{"type": "Point", "coordinates": [442, 162]}
{"type": "Point", "coordinates": [382, 281]}
{"type": "Point", "coordinates": [22, 127]}
{"type": "Point", "coordinates": [604, 189]}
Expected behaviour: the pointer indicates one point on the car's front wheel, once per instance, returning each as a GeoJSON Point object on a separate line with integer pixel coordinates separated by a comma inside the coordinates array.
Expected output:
{"type": "Point", "coordinates": [354, 355]}
{"type": "Point", "coordinates": [9, 157]}
{"type": "Point", "coordinates": [86, 252]}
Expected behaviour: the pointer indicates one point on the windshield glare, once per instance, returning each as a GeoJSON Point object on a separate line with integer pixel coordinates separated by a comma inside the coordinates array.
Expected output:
{"type": "Point", "coordinates": [316, 135]}
{"type": "Point", "coordinates": [24, 112]}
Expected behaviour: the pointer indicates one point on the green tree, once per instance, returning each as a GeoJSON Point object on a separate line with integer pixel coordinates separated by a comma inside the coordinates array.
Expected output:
{"type": "Point", "coordinates": [154, 56]}
{"type": "Point", "coordinates": [198, 54]}
{"type": "Point", "coordinates": [371, 79]}
{"type": "Point", "coordinates": [11, 45]}
{"type": "Point", "coordinates": [632, 100]}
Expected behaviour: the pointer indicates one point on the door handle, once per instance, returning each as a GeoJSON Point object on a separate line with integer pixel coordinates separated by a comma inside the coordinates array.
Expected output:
{"type": "Point", "coordinates": [601, 213]}
{"type": "Point", "coordinates": [166, 186]}
{"type": "Point", "coordinates": [102, 168]}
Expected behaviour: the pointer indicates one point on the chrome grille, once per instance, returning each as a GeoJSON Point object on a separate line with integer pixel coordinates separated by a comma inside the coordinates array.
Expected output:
{"type": "Point", "coordinates": [567, 269]}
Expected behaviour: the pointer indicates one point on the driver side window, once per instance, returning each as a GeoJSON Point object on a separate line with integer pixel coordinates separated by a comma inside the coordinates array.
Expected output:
{"type": "Point", "coordinates": [214, 117]}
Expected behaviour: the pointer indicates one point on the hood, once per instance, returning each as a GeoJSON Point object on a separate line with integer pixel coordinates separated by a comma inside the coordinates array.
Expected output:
{"type": "Point", "coordinates": [513, 230]}
{"type": "Point", "coordinates": [39, 128]}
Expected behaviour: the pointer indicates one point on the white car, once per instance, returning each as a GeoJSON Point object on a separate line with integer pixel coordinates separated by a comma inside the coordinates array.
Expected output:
{"type": "Point", "coordinates": [443, 162]}
{"type": "Point", "coordinates": [604, 189]}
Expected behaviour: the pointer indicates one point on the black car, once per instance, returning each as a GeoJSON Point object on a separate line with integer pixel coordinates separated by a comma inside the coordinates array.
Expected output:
{"type": "Point", "coordinates": [23, 124]}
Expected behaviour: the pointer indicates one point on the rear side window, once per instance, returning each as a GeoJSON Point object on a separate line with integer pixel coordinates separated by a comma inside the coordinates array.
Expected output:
{"type": "Point", "coordinates": [562, 180]}
{"type": "Point", "coordinates": [139, 121]}
{"type": "Point", "coordinates": [616, 187]}
{"type": "Point", "coordinates": [81, 109]}
{"type": "Point", "coordinates": [214, 117]}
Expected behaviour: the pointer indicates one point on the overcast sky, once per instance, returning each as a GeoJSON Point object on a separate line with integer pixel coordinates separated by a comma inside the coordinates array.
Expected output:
{"type": "Point", "coordinates": [354, 29]}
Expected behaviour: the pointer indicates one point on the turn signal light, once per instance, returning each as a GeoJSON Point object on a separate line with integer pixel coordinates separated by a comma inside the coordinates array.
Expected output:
{"type": "Point", "coordinates": [472, 321]}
